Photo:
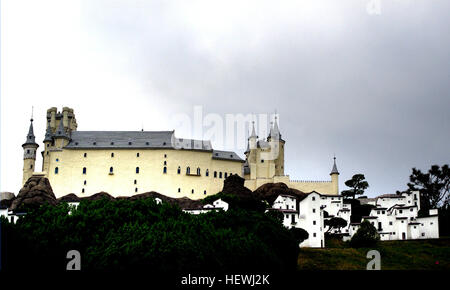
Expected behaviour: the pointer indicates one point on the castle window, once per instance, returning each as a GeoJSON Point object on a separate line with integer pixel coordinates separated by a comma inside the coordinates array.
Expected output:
{"type": "Point", "coordinates": [188, 170]}
{"type": "Point", "coordinates": [135, 190]}
{"type": "Point", "coordinates": [95, 143]}
{"type": "Point", "coordinates": [207, 172]}
{"type": "Point", "coordinates": [204, 192]}
{"type": "Point", "coordinates": [137, 154]}
{"type": "Point", "coordinates": [179, 189]}
{"type": "Point", "coordinates": [226, 175]}
{"type": "Point", "coordinates": [112, 143]}
{"type": "Point", "coordinates": [215, 174]}
{"type": "Point", "coordinates": [28, 151]}
{"type": "Point", "coordinates": [82, 191]}
{"type": "Point", "coordinates": [111, 169]}
{"type": "Point", "coordinates": [112, 154]}
{"type": "Point", "coordinates": [262, 160]}
{"type": "Point", "coordinates": [192, 191]}
{"type": "Point", "coordinates": [165, 162]}
{"type": "Point", "coordinates": [47, 152]}
{"type": "Point", "coordinates": [85, 155]}
{"type": "Point", "coordinates": [31, 166]}
{"type": "Point", "coordinates": [147, 143]}
{"type": "Point", "coordinates": [129, 143]}
{"type": "Point", "coordinates": [165, 170]}
{"type": "Point", "coordinates": [57, 160]}
{"type": "Point", "coordinates": [165, 155]}
{"type": "Point", "coordinates": [179, 170]}
{"type": "Point", "coordinates": [85, 182]}
{"type": "Point", "coordinates": [198, 171]}
{"type": "Point", "coordinates": [137, 170]}
{"type": "Point", "coordinates": [84, 170]}
{"type": "Point", "coordinates": [314, 222]}
{"type": "Point", "coordinates": [56, 170]}
{"type": "Point", "coordinates": [135, 181]}
{"type": "Point", "coordinates": [220, 174]}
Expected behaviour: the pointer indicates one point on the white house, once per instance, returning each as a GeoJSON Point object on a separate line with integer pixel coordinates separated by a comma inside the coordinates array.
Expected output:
{"type": "Point", "coordinates": [217, 205]}
{"type": "Point", "coordinates": [395, 216]}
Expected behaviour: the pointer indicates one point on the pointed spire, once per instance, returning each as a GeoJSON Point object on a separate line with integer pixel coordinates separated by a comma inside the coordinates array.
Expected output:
{"type": "Point", "coordinates": [60, 132]}
{"type": "Point", "coordinates": [31, 139]}
{"type": "Point", "coordinates": [334, 170]}
{"type": "Point", "coordinates": [48, 134]}
{"type": "Point", "coordinates": [253, 131]}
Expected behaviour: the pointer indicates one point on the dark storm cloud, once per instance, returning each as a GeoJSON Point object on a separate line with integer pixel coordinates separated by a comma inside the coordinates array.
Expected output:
{"type": "Point", "coordinates": [374, 89]}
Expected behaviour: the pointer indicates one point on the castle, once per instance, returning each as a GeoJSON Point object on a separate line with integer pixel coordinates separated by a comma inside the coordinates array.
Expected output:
{"type": "Point", "coordinates": [131, 162]}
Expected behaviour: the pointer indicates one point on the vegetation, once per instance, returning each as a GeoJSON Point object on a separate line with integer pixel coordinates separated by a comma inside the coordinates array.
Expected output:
{"type": "Point", "coordinates": [395, 255]}
{"type": "Point", "coordinates": [357, 185]}
{"type": "Point", "coordinates": [335, 223]}
{"type": "Point", "coordinates": [365, 236]}
{"type": "Point", "coordinates": [142, 235]}
{"type": "Point", "coordinates": [434, 188]}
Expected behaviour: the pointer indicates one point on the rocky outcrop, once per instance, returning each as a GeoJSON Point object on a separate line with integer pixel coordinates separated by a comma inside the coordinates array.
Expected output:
{"type": "Point", "coordinates": [183, 202]}
{"type": "Point", "coordinates": [71, 197]}
{"type": "Point", "coordinates": [234, 184]}
{"type": "Point", "coordinates": [270, 191]}
{"type": "Point", "coordinates": [7, 195]}
{"type": "Point", "coordinates": [99, 196]}
{"type": "Point", "coordinates": [36, 192]}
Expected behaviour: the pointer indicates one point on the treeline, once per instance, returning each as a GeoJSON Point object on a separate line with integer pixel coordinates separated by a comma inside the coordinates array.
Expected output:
{"type": "Point", "coordinates": [141, 235]}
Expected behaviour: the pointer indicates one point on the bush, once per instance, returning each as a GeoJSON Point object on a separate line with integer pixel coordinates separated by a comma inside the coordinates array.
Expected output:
{"type": "Point", "coordinates": [366, 236]}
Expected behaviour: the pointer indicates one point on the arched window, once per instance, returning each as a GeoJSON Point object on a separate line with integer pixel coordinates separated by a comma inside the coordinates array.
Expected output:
{"type": "Point", "coordinates": [215, 174]}
{"type": "Point", "coordinates": [198, 170]}
{"type": "Point", "coordinates": [112, 154]}
{"type": "Point", "coordinates": [31, 166]}
{"type": "Point", "coordinates": [165, 170]}
{"type": "Point", "coordinates": [111, 170]}
{"type": "Point", "coordinates": [85, 182]}
{"type": "Point", "coordinates": [135, 190]}
{"type": "Point", "coordinates": [137, 170]}
{"type": "Point", "coordinates": [204, 192]}
{"type": "Point", "coordinates": [165, 162]}
{"type": "Point", "coordinates": [56, 170]}
{"type": "Point", "coordinates": [226, 175]}
{"type": "Point", "coordinates": [207, 172]}
{"type": "Point", "coordinates": [220, 174]}
{"type": "Point", "coordinates": [192, 191]}
{"type": "Point", "coordinates": [82, 191]}
{"type": "Point", "coordinates": [84, 170]}
{"type": "Point", "coordinates": [179, 189]}
{"type": "Point", "coordinates": [135, 181]}
{"type": "Point", "coordinates": [188, 170]}
{"type": "Point", "coordinates": [179, 170]}
{"type": "Point", "coordinates": [137, 154]}
{"type": "Point", "coordinates": [85, 155]}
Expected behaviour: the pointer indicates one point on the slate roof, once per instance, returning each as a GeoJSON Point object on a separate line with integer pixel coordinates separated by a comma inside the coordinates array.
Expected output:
{"type": "Point", "coordinates": [143, 140]}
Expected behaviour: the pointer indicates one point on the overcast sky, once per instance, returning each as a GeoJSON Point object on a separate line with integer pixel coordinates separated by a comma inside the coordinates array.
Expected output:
{"type": "Point", "coordinates": [372, 87]}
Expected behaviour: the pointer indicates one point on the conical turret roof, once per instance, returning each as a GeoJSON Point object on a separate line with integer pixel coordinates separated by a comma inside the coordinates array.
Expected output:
{"type": "Point", "coordinates": [31, 139]}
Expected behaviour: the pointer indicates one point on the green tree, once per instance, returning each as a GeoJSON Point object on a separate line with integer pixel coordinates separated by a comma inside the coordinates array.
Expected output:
{"type": "Point", "coordinates": [365, 236]}
{"type": "Point", "coordinates": [434, 186]}
{"type": "Point", "coordinates": [357, 186]}
{"type": "Point", "coordinates": [335, 223]}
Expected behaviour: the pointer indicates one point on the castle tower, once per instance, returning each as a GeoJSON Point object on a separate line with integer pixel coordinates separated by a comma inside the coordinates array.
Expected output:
{"type": "Point", "coordinates": [61, 137]}
{"type": "Point", "coordinates": [278, 145]}
{"type": "Point", "coordinates": [251, 151]}
{"type": "Point", "coordinates": [48, 143]}
{"type": "Point", "coordinates": [335, 177]}
{"type": "Point", "coordinates": [29, 154]}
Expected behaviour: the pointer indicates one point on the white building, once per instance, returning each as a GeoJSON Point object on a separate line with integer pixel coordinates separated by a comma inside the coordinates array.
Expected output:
{"type": "Point", "coordinates": [217, 205]}
{"type": "Point", "coordinates": [395, 216]}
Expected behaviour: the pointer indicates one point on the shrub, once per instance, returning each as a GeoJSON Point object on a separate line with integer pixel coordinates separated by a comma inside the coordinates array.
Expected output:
{"type": "Point", "coordinates": [365, 236]}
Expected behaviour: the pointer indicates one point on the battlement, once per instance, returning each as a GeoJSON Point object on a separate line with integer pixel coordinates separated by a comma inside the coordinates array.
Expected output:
{"type": "Point", "coordinates": [311, 181]}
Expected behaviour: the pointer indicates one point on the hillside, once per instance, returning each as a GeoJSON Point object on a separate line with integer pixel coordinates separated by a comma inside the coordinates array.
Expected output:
{"type": "Point", "coordinates": [395, 255]}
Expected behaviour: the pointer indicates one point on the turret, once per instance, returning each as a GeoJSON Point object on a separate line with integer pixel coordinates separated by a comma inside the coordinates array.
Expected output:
{"type": "Point", "coordinates": [48, 143]}
{"type": "Point", "coordinates": [277, 144]}
{"type": "Point", "coordinates": [61, 137]}
{"type": "Point", "coordinates": [335, 177]}
{"type": "Point", "coordinates": [29, 154]}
